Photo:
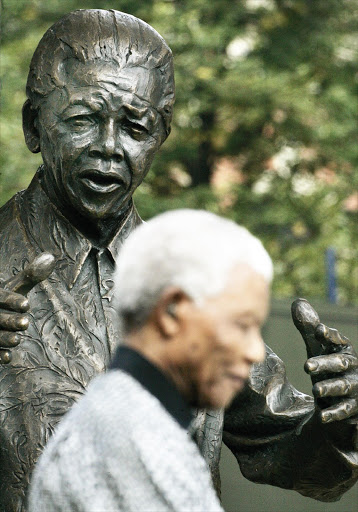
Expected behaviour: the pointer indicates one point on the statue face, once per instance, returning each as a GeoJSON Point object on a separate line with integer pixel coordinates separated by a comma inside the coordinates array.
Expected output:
{"type": "Point", "coordinates": [99, 134]}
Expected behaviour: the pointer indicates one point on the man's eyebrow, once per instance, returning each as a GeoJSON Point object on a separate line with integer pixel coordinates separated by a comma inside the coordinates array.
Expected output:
{"type": "Point", "coordinates": [250, 316]}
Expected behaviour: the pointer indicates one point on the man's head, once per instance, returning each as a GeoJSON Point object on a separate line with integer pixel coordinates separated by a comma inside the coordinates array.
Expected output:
{"type": "Point", "coordinates": [100, 96]}
{"type": "Point", "coordinates": [192, 291]}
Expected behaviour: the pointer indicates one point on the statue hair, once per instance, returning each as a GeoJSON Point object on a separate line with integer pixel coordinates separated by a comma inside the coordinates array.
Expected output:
{"type": "Point", "coordinates": [102, 35]}
{"type": "Point", "coordinates": [193, 250]}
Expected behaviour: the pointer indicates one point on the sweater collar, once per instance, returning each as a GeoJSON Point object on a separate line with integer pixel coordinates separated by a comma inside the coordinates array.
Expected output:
{"type": "Point", "coordinates": [153, 379]}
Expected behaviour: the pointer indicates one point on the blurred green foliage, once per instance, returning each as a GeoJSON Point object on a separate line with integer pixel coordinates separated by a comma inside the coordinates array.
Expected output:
{"type": "Point", "coordinates": [265, 123]}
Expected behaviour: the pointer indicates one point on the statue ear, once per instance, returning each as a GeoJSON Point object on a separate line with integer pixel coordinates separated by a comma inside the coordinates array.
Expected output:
{"type": "Point", "coordinates": [32, 137]}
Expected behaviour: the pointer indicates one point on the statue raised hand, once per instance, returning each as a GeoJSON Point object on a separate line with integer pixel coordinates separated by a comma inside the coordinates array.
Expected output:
{"type": "Point", "coordinates": [14, 304]}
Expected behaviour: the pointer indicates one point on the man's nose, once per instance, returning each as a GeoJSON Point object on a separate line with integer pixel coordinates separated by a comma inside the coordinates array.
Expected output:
{"type": "Point", "coordinates": [108, 144]}
{"type": "Point", "coordinates": [255, 350]}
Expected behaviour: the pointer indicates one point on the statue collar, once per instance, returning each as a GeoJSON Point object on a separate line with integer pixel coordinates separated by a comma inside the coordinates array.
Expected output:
{"type": "Point", "coordinates": [49, 231]}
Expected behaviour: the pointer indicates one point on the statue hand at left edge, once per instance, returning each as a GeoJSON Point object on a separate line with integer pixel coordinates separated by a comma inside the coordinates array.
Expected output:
{"type": "Point", "coordinates": [14, 304]}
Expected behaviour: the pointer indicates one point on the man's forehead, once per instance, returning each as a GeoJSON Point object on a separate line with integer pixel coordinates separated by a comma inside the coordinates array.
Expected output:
{"type": "Point", "coordinates": [140, 84]}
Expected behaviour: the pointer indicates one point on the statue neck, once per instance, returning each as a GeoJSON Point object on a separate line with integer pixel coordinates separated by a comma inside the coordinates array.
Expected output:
{"type": "Point", "coordinates": [99, 232]}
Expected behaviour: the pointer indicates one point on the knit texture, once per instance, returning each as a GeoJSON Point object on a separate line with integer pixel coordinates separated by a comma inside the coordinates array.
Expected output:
{"type": "Point", "coordinates": [118, 450]}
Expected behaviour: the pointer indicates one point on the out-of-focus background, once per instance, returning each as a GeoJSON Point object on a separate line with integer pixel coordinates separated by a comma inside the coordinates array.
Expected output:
{"type": "Point", "coordinates": [265, 123]}
{"type": "Point", "coordinates": [264, 132]}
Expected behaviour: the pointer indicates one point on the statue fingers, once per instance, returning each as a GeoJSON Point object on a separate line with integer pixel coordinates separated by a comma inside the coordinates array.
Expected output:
{"type": "Point", "coordinates": [331, 363]}
{"type": "Point", "coordinates": [10, 321]}
{"type": "Point", "coordinates": [9, 339]}
{"type": "Point", "coordinates": [336, 387]}
{"type": "Point", "coordinates": [343, 410]}
{"type": "Point", "coordinates": [13, 301]}
{"type": "Point", "coordinates": [5, 356]}
{"type": "Point", "coordinates": [330, 339]}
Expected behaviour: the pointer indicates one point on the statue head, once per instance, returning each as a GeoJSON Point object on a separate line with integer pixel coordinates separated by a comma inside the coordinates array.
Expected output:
{"type": "Point", "coordinates": [100, 97]}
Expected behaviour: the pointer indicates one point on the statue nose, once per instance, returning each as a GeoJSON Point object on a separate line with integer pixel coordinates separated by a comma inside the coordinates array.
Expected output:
{"type": "Point", "coordinates": [108, 144]}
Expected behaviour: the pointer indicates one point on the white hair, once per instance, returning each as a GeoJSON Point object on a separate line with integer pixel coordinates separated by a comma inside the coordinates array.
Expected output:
{"type": "Point", "coordinates": [193, 250]}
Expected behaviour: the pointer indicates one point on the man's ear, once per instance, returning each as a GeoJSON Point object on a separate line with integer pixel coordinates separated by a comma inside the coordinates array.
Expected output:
{"type": "Point", "coordinates": [169, 311]}
{"type": "Point", "coordinates": [32, 137]}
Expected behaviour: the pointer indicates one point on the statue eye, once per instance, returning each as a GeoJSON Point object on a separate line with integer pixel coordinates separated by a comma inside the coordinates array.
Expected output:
{"type": "Point", "coordinates": [81, 121]}
{"type": "Point", "coordinates": [136, 130]}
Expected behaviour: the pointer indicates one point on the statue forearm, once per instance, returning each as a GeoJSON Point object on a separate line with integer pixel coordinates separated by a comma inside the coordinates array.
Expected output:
{"type": "Point", "coordinates": [306, 460]}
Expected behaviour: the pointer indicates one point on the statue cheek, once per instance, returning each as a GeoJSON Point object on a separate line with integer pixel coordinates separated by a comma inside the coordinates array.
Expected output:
{"type": "Point", "coordinates": [145, 154]}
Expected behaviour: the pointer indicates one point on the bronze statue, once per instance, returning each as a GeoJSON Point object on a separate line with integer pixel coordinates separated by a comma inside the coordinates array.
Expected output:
{"type": "Point", "coordinates": [100, 96]}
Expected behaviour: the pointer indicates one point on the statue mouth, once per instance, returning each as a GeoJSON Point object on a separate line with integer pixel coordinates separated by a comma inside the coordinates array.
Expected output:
{"type": "Point", "coordinates": [103, 182]}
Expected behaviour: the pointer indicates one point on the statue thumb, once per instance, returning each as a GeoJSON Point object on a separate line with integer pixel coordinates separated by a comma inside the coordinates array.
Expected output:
{"type": "Point", "coordinates": [306, 320]}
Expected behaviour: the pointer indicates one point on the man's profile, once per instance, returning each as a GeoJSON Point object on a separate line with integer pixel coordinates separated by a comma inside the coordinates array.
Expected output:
{"type": "Point", "coordinates": [100, 96]}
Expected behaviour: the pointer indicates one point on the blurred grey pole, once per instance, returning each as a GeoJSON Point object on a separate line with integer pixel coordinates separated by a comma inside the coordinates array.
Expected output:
{"type": "Point", "coordinates": [331, 275]}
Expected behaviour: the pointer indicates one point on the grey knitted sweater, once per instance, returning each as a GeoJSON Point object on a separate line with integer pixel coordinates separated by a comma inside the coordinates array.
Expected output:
{"type": "Point", "coordinates": [118, 450]}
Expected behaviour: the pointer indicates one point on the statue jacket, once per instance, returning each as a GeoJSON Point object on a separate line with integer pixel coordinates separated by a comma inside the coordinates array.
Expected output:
{"type": "Point", "coordinates": [271, 427]}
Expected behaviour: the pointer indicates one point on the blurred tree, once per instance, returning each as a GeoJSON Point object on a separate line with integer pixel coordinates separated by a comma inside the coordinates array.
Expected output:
{"type": "Point", "coordinates": [264, 128]}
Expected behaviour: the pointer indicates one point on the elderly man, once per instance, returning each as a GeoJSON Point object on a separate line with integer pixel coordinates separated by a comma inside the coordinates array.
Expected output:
{"type": "Point", "coordinates": [192, 291]}
{"type": "Point", "coordinates": [100, 96]}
